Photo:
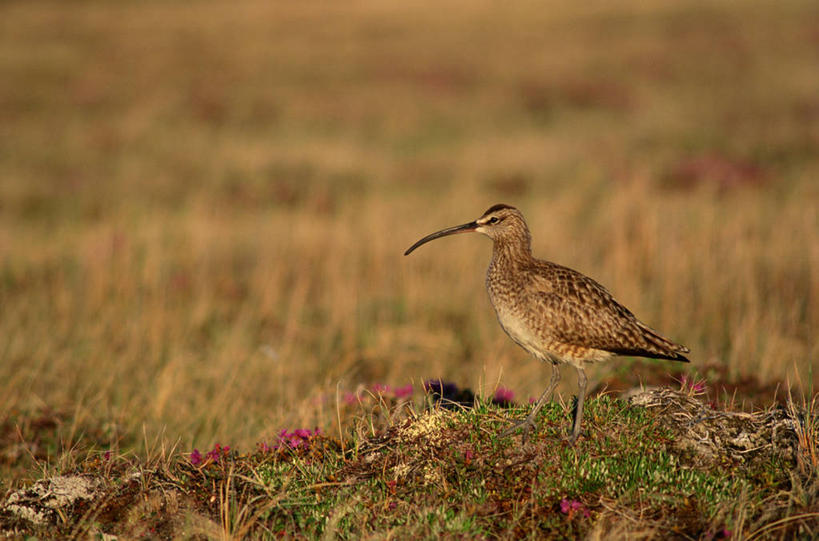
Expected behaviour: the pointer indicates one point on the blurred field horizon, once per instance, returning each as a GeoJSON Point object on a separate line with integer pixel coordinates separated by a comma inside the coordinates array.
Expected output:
{"type": "Point", "coordinates": [204, 205]}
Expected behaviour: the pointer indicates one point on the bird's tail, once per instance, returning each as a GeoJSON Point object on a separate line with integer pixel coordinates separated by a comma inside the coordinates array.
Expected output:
{"type": "Point", "coordinates": [661, 347]}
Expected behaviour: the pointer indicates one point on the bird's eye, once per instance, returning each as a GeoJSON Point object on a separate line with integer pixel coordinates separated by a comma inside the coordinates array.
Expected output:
{"type": "Point", "coordinates": [493, 220]}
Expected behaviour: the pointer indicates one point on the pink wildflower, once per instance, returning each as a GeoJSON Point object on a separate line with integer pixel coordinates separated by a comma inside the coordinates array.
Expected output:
{"type": "Point", "coordinates": [468, 456]}
{"type": "Point", "coordinates": [214, 453]}
{"type": "Point", "coordinates": [692, 384]}
{"type": "Point", "coordinates": [217, 452]}
{"type": "Point", "coordinates": [503, 396]}
{"type": "Point", "coordinates": [196, 457]}
{"type": "Point", "coordinates": [298, 438]}
{"type": "Point", "coordinates": [571, 507]}
{"type": "Point", "coordinates": [403, 392]}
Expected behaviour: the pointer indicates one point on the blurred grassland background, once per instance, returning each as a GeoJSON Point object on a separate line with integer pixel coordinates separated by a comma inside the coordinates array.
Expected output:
{"type": "Point", "coordinates": [204, 205]}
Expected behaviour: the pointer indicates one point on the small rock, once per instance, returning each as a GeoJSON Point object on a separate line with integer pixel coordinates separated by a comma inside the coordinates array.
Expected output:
{"type": "Point", "coordinates": [712, 435]}
{"type": "Point", "coordinates": [38, 503]}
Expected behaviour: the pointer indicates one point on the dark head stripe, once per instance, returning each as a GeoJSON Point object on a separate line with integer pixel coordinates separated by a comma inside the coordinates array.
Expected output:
{"type": "Point", "coordinates": [497, 207]}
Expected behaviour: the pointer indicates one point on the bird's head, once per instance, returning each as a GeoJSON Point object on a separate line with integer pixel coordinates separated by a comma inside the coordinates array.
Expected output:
{"type": "Point", "coordinates": [501, 223]}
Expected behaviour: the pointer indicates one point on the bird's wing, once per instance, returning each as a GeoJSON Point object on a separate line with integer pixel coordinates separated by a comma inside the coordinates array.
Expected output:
{"type": "Point", "coordinates": [581, 312]}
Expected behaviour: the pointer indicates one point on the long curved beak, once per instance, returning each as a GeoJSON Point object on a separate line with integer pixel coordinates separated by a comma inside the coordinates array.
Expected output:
{"type": "Point", "coordinates": [465, 228]}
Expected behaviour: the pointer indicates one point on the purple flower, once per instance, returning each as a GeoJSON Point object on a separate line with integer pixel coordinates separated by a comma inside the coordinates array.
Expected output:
{"type": "Point", "coordinates": [436, 386]}
{"type": "Point", "coordinates": [214, 453]}
{"type": "Point", "coordinates": [693, 385]}
{"type": "Point", "coordinates": [107, 455]}
{"type": "Point", "coordinates": [403, 392]}
{"type": "Point", "coordinates": [217, 452]}
{"type": "Point", "coordinates": [571, 507]}
{"type": "Point", "coordinates": [196, 457]}
{"type": "Point", "coordinates": [381, 388]}
{"type": "Point", "coordinates": [503, 396]}
{"type": "Point", "coordinates": [298, 438]}
{"type": "Point", "coordinates": [447, 394]}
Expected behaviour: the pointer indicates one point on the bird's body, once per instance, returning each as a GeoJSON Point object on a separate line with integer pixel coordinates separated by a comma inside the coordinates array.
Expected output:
{"type": "Point", "coordinates": [558, 314]}
{"type": "Point", "coordinates": [555, 313]}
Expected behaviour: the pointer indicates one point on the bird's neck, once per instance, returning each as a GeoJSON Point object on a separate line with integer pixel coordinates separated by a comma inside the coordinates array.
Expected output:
{"type": "Point", "coordinates": [512, 251]}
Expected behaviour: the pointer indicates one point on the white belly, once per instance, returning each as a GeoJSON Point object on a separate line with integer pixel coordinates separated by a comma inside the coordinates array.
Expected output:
{"type": "Point", "coordinates": [523, 335]}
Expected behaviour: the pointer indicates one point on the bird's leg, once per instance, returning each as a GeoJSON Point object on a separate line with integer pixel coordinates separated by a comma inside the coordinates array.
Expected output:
{"type": "Point", "coordinates": [578, 412]}
{"type": "Point", "coordinates": [547, 394]}
{"type": "Point", "coordinates": [529, 422]}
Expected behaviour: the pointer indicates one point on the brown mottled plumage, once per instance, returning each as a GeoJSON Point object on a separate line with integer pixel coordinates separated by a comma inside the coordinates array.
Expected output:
{"type": "Point", "coordinates": [555, 313]}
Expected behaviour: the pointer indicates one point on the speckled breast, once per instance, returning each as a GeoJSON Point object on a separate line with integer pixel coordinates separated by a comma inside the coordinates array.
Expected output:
{"type": "Point", "coordinates": [512, 321]}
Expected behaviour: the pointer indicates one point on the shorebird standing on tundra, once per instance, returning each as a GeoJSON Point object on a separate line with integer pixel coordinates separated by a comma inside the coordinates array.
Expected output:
{"type": "Point", "coordinates": [555, 313]}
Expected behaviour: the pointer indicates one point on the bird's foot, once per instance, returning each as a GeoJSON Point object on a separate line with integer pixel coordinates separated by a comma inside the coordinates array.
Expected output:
{"type": "Point", "coordinates": [527, 425]}
{"type": "Point", "coordinates": [572, 438]}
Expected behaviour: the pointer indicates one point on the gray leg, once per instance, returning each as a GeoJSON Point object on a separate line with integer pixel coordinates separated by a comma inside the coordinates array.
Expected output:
{"type": "Point", "coordinates": [529, 422]}
{"type": "Point", "coordinates": [547, 394]}
{"type": "Point", "coordinates": [581, 395]}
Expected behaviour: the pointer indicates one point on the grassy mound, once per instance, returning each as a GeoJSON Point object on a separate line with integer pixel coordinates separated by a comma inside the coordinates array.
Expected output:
{"type": "Point", "coordinates": [655, 465]}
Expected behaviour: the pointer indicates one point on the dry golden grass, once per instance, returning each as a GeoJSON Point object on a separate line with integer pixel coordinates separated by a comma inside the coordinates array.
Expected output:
{"type": "Point", "coordinates": [203, 206]}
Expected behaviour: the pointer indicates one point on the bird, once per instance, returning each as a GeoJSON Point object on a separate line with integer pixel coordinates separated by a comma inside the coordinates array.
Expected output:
{"type": "Point", "coordinates": [557, 314]}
